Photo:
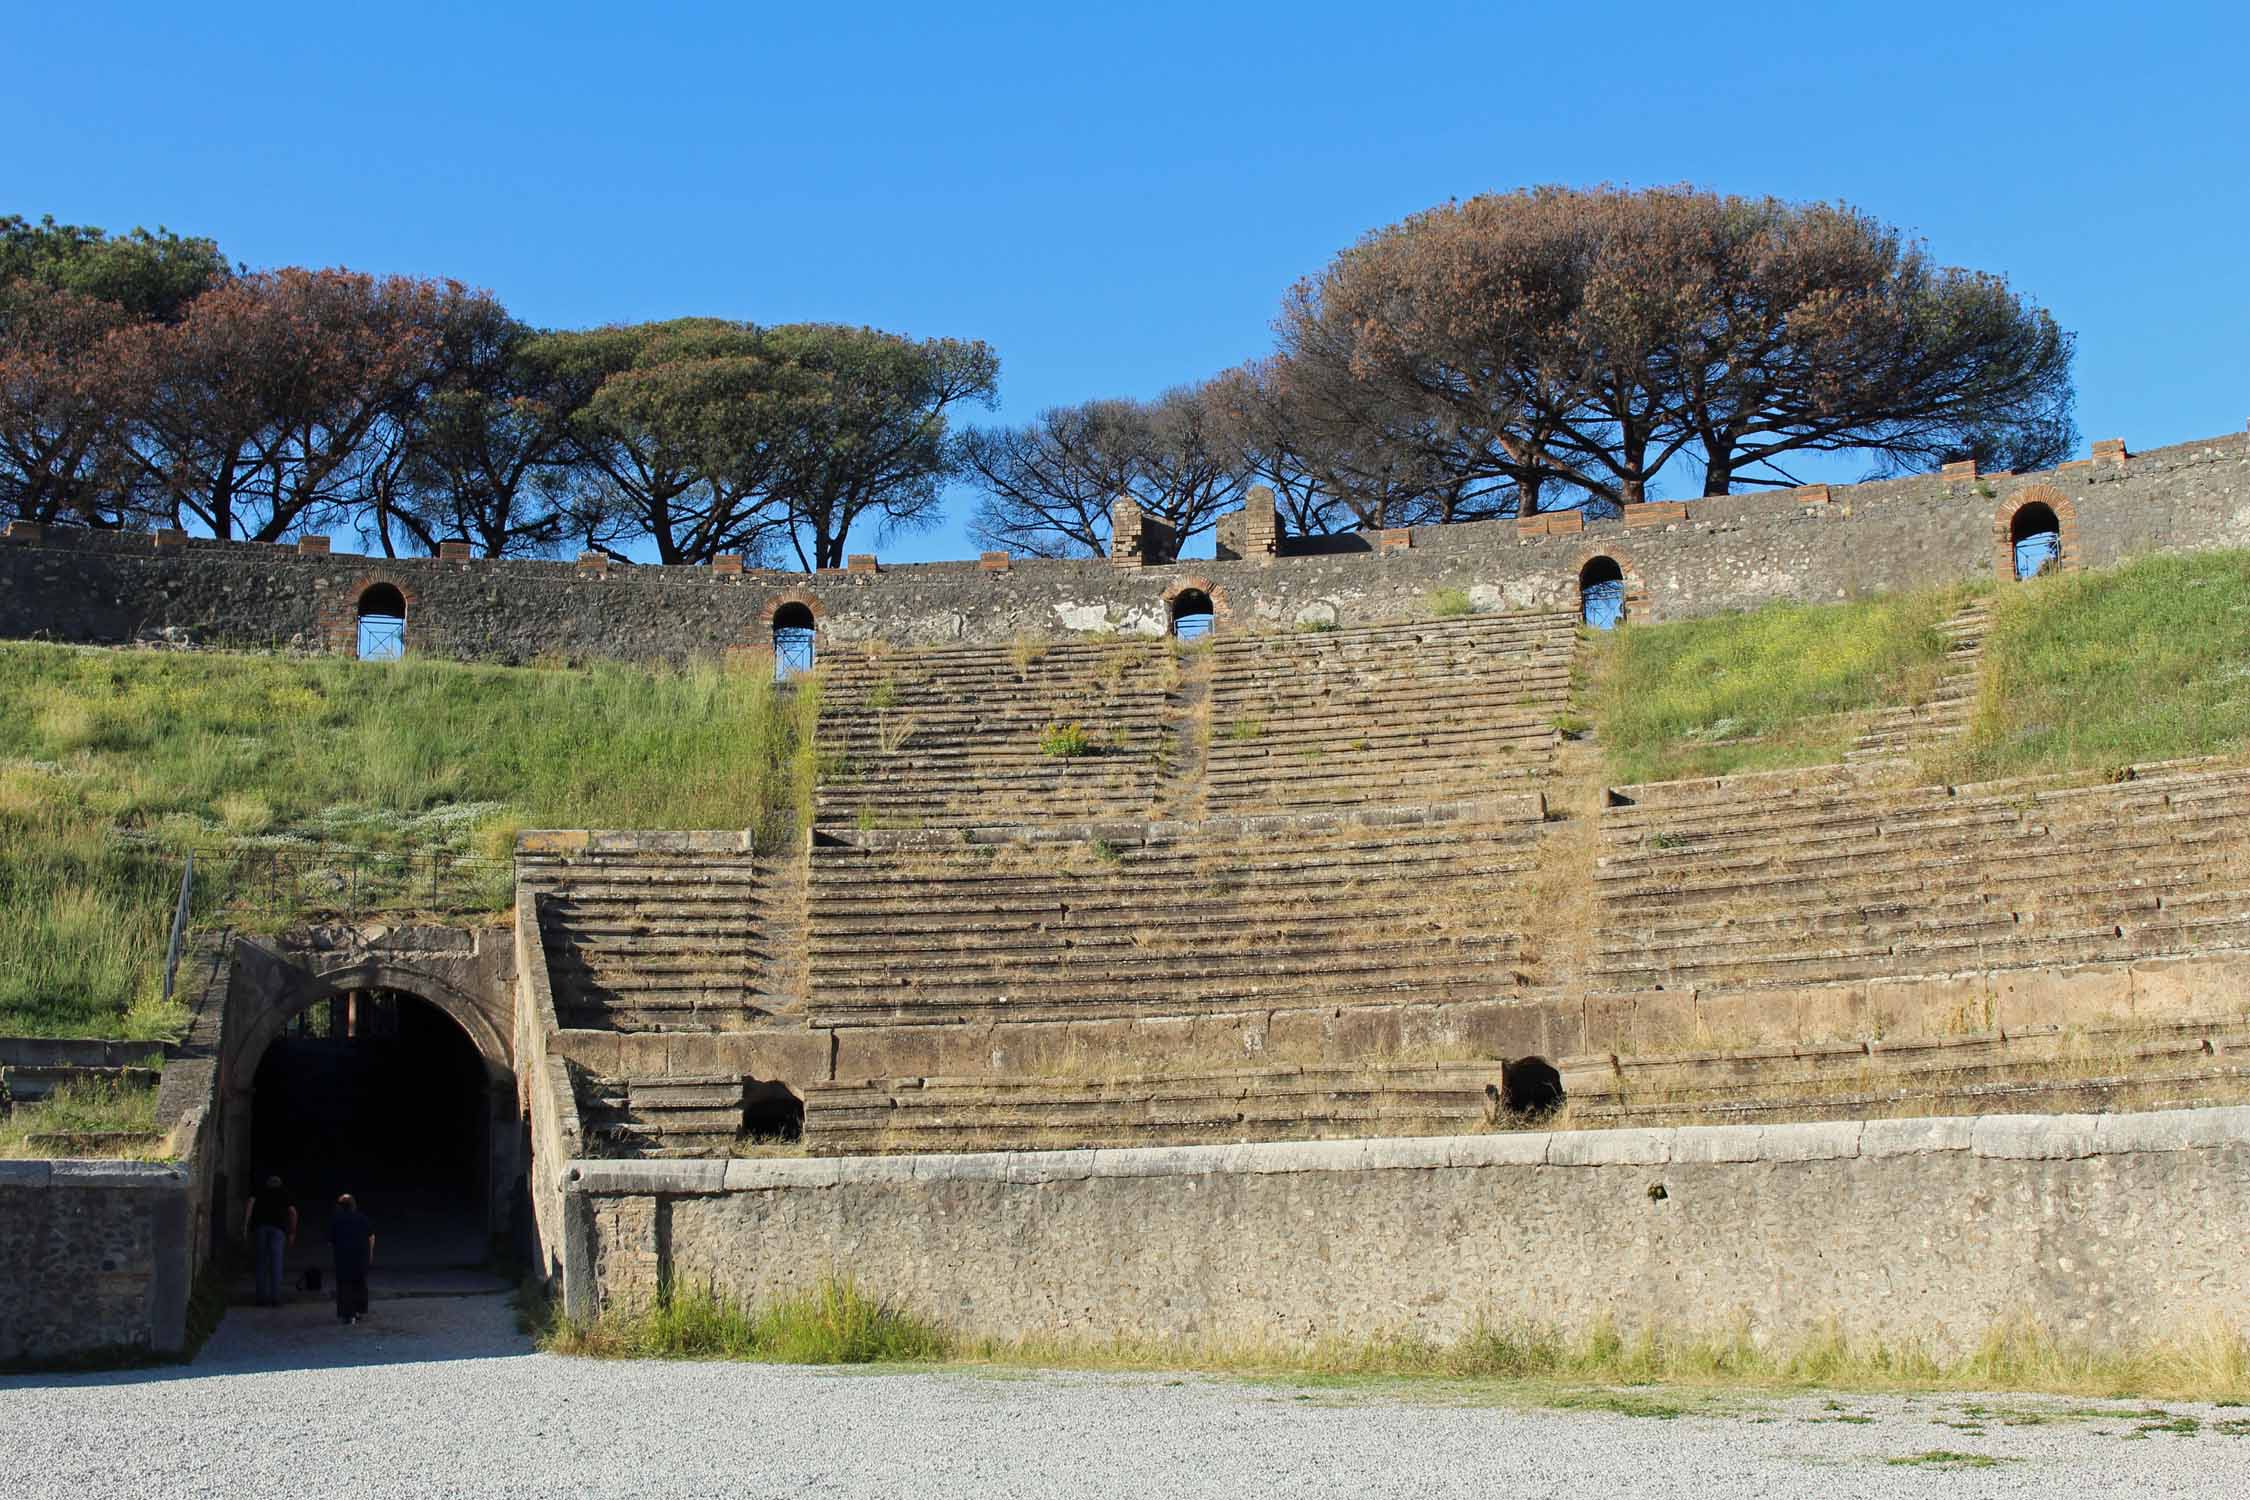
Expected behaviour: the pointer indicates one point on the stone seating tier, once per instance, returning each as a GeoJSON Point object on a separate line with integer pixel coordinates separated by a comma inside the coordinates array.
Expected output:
{"type": "Point", "coordinates": [2176, 1064]}
{"type": "Point", "coordinates": [660, 941]}
{"type": "Point", "coordinates": [1786, 880]}
{"type": "Point", "coordinates": [1400, 713]}
{"type": "Point", "coordinates": [953, 737]}
{"type": "Point", "coordinates": [1170, 919]}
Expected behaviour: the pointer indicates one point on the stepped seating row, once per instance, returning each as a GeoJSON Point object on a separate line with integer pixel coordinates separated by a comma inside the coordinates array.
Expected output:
{"type": "Point", "coordinates": [690, 939]}
{"type": "Point", "coordinates": [1391, 713]}
{"type": "Point", "coordinates": [659, 1117]}
{"type": "Point", "coordinates": [2173, 1065]}
{"type": "Point", "coordinates": [1789, 879]}
{"type": "Point", "coordinates": [956, 737]}
{"type": "Point", "coordinates": [1170, 919]}
{"type": "Point", "coordinates": [1945, 714]}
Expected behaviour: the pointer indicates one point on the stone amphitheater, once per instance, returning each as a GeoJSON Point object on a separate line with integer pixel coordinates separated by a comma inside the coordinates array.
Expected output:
{"type": "Point", "coordinates": [1324, 988]}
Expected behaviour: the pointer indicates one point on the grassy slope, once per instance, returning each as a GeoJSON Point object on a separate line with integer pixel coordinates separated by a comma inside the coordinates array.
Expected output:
{"type": "Point", "coordinates": [2150, 661]}
{"type": "Point", "coordinates": [1760, 691]}
{"type": "Point", "coordinates": [220, 751]}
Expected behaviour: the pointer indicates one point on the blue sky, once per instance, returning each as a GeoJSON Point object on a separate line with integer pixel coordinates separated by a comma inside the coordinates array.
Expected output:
{"type": "Point", "coordinates": [1116, 198]}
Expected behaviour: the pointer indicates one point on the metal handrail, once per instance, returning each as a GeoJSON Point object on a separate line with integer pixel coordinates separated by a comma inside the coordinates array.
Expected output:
{"type": "Point", "coordinates": [179, 926]}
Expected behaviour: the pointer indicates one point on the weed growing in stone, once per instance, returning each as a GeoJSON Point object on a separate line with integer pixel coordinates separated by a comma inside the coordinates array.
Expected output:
{"type": "Point", "coordinates": [1066, 741]}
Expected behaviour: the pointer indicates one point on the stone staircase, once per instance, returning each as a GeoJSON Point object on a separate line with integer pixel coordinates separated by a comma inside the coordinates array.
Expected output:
{"type": "Point", "coordinates": [659, 932]}
{"type": "Point", "coordinates": [960, 736]}
{"type": "Point", "coordinates": [1793, 878]}
{"type": "Point", "coordinates": [659, 1117]}
{"type": "Point", "coordinates": [1945, 715]}
{"type": "Point", "coordinates": [2172, 1065]}
{"type": "Point", "coordinates": [1387, 714]}
{"type": "Point", "coordinates": [1170, 918]}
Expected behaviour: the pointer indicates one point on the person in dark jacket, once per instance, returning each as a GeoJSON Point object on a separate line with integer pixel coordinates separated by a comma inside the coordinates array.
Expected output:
{"type": "Point", "coordinates": [269, 1219]}
{"type": "Point", "coordinates": [353, 1239]}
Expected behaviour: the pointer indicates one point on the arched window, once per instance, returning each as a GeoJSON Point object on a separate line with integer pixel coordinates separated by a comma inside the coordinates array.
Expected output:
{"type": "Point", "coordinates": [792, 641]}
{"type": "Point", "coordinates": [1601, 593]}
{"type": "Point", "coordinates": [1191, 614]}
{"type": "Point", "coordinates": [2036, 535]}
{"type": "Point", "coordinates": [382, 623]}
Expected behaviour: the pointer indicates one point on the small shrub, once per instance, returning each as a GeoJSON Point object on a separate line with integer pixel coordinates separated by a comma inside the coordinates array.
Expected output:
{"type": "Point", "coordinates": [1066, 741]}
{"type": "Point", "coordinates": [1107, 852]}
{"type": "Point", "coordinates": [1448, 604]}
{"type": "Point", "coordinates": [1316, 627]}
{"type": "Point", "coordinates": [1246, 729]}
{"type": "Point", "coordinates": [884, 694]}
{"type": "Point", "coordinates": [1027, 650]}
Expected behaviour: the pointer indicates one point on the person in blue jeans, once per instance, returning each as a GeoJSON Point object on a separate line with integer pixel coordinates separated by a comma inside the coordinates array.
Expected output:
{"type": "Point", "coordinates": [269, 1219]}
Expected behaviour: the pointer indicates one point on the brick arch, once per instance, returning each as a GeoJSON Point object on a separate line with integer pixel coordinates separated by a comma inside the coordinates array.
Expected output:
{"type": "Point", "coordinates": [774, 603]}
{"type": "Point", "coordinates": [1221, 612]}
{"type": "Point", "coordinates": [338, 619]}
{"type": "Point", "coordinates": [2067, 555]}
{"type": "Point", "coordinates": [1636, 605]}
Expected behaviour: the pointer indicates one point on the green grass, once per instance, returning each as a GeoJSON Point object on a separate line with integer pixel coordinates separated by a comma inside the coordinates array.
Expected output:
{"type": "Point", "coordinates": [1767, 690]}
{"type": "Point", "coordinates": [1449, 603]}
{"type": "Point", "coordinates": [838, 1322]}
{"type": "Point", "coordinates": [2093, 671]}
{"type": "Point", "coordinates": [111, 761]}
{"type": "Point", "coordinates": [82, 919]}
{"type": "Point", "coordinates": [78, 1108]}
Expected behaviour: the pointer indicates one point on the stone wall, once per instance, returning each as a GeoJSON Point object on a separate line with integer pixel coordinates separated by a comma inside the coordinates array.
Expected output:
{"type": "Point", "coordinates": [1727, 552]}
{"type": "Point", "coordinates": [95, 1259]}
{"type": "Point", "coordinates": [2107, 1228]}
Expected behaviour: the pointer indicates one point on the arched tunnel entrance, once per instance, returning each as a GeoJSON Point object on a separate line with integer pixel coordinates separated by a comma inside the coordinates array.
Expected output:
{"type": "Point", "coordinates": [382, 1094]}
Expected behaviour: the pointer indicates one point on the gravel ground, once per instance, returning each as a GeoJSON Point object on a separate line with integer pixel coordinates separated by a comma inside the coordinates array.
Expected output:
{"type": "Point", "coordinates": [440, 1396]}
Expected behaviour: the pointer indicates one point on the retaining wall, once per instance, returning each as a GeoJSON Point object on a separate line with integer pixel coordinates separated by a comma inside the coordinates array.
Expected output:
{"type": "Point", "coordinates": [1703, 556]}
{"type": "Point", "coordinates": [2107, 1228]}
{"type": "Point", "coordinates": [96, 1258]}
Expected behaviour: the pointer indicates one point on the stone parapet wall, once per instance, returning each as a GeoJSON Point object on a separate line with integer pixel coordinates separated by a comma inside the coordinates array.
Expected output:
{"type": "Point", "coordinates": [1697, 557]}
{"type": "Point", "coordinates": [96, 1259]}
{"type": "Point", "coordinates": [2106, 1228]}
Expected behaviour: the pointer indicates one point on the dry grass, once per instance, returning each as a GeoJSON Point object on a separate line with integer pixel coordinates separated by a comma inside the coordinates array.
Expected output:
{"type": "Point", "coordinates": [837, 1322]}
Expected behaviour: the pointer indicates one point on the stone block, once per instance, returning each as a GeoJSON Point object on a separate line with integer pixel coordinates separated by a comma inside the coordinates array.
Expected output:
{"type": "Point", "coordinates": [2165, 988]}
{"type": "Point", "coordinates": [455, 551]}
{"type": "Point", "coordinates": [552, 841]}
{"type": "Point", "coordinates": [2034, 1137]}
{"type": "Point", "coordinates": [312, 546]}
{"type": "Point", "coordinates": [24, 531]}
{"type": "Point", "coordinates": [2061, 997]}
{"type": "Point", "coordinates": [993, 562]}
{"type": "Point", "coordinates": [1609, 1148]}
{"type": "Point", "coordinates": [166, 538]}
{"type": "Point", "coordinates": [2110, 451]}
{"type": "Point", "coordinates": [727, 565]}
{"type": "Point", "coordinates": [1922, 1009]}
{"type": "Point", "coordinates": [595, 563]}
{"type": "Point", "coordinates": [1919, 1137]}
{"type": "Point", "coordinates": [1548, 1027]}
{"type": "Point", "coordinates": [1655, 513]}
{"type": "Point", "coordinates": [1964, 468]}
{"type": "Point", "coordinates": [1816, 1140]}
{"type": "Point", "coordinates": [2173, 1130]}
{"type": "Point", "coordinates": [861, 562]}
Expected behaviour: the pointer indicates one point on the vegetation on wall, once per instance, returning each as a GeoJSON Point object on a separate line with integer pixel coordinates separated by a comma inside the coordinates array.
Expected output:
{"type": "Point", "coordinates": [1786, 685]}
{"type": "Point", "coordinates": [2093, 671]}
{"type": "Point", "coordinates": [113, 763]}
